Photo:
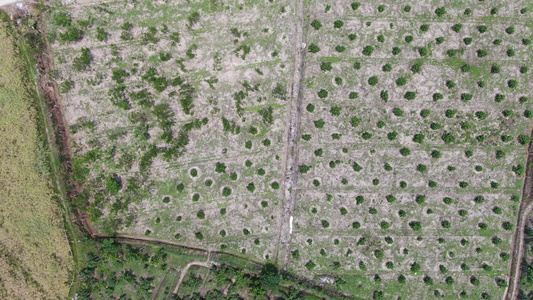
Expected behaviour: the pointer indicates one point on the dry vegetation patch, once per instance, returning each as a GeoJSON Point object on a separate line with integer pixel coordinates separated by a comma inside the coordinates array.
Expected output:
{"type": "Point", "coordinates": [35, 258]}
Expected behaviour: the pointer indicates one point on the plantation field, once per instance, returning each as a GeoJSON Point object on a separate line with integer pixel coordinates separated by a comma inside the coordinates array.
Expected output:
{"type": "Point", "coordinates": [35, 257]}
{"type": "Point", "coordinates": [379, 147]}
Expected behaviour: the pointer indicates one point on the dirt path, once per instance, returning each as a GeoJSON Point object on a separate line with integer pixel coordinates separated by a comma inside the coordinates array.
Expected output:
{"type": "Point", "coordinates": [518, 243]}
{"type": "Point", "coordinates": [7, 2]}
{"type": "Point", "coordinates": [293, 135]}
{"type": "Point", "coordinates": [206, 264]}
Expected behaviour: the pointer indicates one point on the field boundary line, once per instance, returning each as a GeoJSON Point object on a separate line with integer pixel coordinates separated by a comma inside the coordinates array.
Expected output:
{"type": "Point", "coordinates": [518, 243]}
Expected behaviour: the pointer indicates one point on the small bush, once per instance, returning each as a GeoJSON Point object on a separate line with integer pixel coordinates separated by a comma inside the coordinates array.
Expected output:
{"type": "Point", "coordinates": [420, 199]}
{"type": "Point", "coordinates": [405, 151]}
{"type": "Point", "coordinates": [338, 24]}
{"type": "Point", "coordinates": [524, 139]}
{"type": "Point", "coordinates": [401, 81]}
{"type": "Point", "coordinates": [391, 136]}
{"type": "Point", "coordinates": [396, 51]}
{"type": "Point", "coordinates": [316, 24]}
{"type": "Point", "coordinates": [441, 11]}
{"type": "Point", "coordinates": [313, 48]}
{"type": "Point", "coordinates": [250, 187]}
{"type": "Point", "coordinates": [226, 191]}
{"type": "Point", "coordinates": [340, 48]}
{"type": "Point", "coordinates": [398, 112]}
{"type": "Point", "coordinates": [418, 138]}
{"type": "Point", "coordinates": [324, 223]}
{"type": "Point", "coordinates": [423, 51]}
{"type": "Point", "coordinates": [448, 138]}
{"type": "Point", "coordinates": [62, 19]}
{"type": "Point", "coordinates": [335, 110]}
{"type": "Point", "coordinates": [410, 95]}
{"type": "Point", "coordinates": [436, 154]}
{"type": "Point", "coordinates": [481, 53]}
{"type": "Point", "coordinates": [479, 199]}
{"type": "Point", "coordinates": [466, 97]}
{"type": "Point", "coordinates": [457, 27]}
{"type": "Point", "coordinates": [72, 34]}
{"type": "Point", "coordinates": [373, 80]}
{"type": "Point", "coordinates": [195, 197]}
{"type": "Point", "coordinates": [416, 68]}
{"type": "Point", "coordinates": [384, 95]}
{"type": "Point", "coordinates": [368, 50]}
{"type": "Point", "coordinates": [319, 123]}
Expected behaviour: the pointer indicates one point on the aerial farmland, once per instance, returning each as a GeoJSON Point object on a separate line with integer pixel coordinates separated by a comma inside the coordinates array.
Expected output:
{"type": "Point", "coordinates": [377, 147]}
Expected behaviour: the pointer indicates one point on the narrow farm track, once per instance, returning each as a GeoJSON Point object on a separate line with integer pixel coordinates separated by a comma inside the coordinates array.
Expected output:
{"type": "Point", "coordinates": [518, 243]}
{"type": "Point", "coordinates": [186, 269]}
{"type": "Point", "coordinates": [128, 239]}
{"type": "Point", "coordinates": [293, 135]}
